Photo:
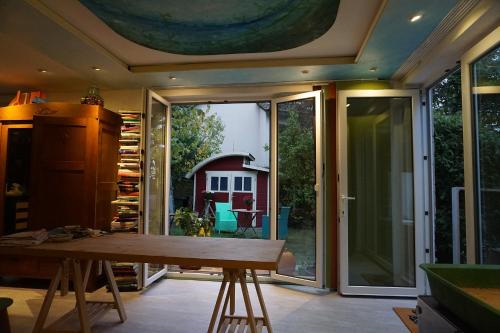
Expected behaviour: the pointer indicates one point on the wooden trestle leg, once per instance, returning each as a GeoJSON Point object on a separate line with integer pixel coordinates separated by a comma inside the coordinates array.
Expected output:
{"type": "Point", "coordinates": [85, 313]}
{"type": "Point", "coordinates": [230, 322]}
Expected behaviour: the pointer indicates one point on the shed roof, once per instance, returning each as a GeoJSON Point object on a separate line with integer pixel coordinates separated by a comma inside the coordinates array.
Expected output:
{"type": "Point", "coordinates": [216, 157]}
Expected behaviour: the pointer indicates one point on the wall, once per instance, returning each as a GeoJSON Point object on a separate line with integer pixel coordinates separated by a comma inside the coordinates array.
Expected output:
{"type": "Point", "coordinates": [246, 129]}
{"type": "Point", "coordinates": [114, 100]}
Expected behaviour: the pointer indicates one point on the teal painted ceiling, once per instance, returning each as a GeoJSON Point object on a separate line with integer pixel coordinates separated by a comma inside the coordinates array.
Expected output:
{"type": "Point", "coordinates": [393, 40]}
{"type": "Point", "coordinates": [201, 27]}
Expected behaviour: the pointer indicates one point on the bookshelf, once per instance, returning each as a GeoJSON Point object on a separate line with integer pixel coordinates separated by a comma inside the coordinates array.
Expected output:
{"type": "Point", "coordinates": [127, 206]}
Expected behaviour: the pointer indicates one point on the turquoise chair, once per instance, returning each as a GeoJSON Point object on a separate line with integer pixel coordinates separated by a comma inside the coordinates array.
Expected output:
{"type": "Point", "coordinates": [282, 224]}
{"type": "Point", "coordinates": [225, 220]}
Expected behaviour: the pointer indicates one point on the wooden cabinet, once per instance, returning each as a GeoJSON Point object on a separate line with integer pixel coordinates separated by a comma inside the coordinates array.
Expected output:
{"type": "Point", "coordinates": [68, 176]}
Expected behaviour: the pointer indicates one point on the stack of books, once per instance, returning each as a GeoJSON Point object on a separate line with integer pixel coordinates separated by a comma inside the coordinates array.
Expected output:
{"type": "Point", "coordinates": [127, 217]}
{"type": "Point", "coordinates": [126, 275]}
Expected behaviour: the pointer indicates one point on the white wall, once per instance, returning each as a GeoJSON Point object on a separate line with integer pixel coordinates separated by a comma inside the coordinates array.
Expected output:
{"type": "Point", "coordinates": [246, 129]}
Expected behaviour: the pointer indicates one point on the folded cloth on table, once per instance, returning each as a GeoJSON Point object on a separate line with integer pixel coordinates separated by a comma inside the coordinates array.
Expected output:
{"type": "Point", "coordinates": [25, 238]}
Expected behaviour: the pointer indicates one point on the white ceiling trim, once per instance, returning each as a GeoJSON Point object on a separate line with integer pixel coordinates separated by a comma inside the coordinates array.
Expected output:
{"type": "Point", "coordinates": [62, 22]}
{"type": "Point", "coordinates": [455, 16]}
{"type": "Point", "coordinates": [370, 30]}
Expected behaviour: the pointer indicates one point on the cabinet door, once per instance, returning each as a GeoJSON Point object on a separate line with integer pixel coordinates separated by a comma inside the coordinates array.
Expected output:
{"type": "Point", "coordinates": [64, 171]}
{"type": "Point", "coordinates": [15, 156]}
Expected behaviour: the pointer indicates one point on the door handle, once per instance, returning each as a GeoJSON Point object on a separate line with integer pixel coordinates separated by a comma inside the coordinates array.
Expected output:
{"type": "Point", "coordinates": [343, 197]}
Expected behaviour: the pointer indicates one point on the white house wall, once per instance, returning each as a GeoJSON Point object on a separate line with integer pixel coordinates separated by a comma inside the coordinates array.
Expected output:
{"type": "Point", "coordinates": [246, 129]}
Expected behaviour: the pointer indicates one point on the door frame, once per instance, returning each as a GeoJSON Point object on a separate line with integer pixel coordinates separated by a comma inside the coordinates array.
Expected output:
{"type": "Point", "coordinates": [418, 194]}
{"type": "Point", "coordinates": [319, 186]}
{"type": "Point", "coordinates": [150, 95]}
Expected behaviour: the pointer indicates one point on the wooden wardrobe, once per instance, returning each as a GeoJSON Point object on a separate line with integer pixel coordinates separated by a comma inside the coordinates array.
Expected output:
{"type": "Point", "coordinates": [64, 159]}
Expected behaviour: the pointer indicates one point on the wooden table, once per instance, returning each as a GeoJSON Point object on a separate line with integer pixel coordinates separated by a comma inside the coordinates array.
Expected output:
{"type": "Point", "coordinates": [235, 256]}
{"type": "Point", "coordinates": [248, 217]}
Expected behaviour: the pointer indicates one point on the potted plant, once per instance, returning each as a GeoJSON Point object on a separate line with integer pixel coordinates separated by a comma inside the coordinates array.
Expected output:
{"type": "Point", "coordinates": [187, 220]}
{"type": "Point", "coordinates": [248, 201]}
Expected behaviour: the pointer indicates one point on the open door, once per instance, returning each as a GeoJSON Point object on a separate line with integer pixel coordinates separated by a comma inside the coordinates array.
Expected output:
{"type": "Point", "coordinates": [381, 162]}
{"type": "Point", "coordinates": [297, 187]}
{"type": "Point", "coordinates": [156, 181]}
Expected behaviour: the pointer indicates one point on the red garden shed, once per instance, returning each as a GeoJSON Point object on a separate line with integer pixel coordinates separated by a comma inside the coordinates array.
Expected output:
{"type": "Point", "coordinates": [231, 178]}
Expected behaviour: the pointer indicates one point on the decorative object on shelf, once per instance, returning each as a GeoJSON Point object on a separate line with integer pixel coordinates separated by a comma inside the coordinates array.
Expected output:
{"type": "Point", "coordinates": [28, 98]}
{"type": "Point", "coordinates": [248, 201]}
{"type": "Point", "coordinates": [93, 97]}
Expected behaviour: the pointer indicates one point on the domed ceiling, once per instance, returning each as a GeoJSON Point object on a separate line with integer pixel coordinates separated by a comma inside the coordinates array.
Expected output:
{"type": "Point", "coordinates": [201, 27]}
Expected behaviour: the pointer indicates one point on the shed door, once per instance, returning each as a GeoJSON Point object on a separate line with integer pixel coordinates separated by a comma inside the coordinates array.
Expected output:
{"type": "Point", "coordinates": [243, 185]}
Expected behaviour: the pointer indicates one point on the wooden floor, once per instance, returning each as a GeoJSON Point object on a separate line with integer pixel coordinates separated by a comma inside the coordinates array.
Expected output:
{"type": "Point", "coordinates": [186, 305]}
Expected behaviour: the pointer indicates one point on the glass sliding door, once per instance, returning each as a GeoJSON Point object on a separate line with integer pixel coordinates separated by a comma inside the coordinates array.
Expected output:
{"type": "Point", "coordinates": [485, 75]}
{"type": "Point", "coordinates": [297, 187]}
{"type": "Point", "coordinates": [381, 221]}
{"type": "Point", "coordinates": [480, 68]}
{"type": "Point", "coordinates": [156, 180]}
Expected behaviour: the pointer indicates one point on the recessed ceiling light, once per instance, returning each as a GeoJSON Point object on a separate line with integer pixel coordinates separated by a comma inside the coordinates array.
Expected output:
{"type": "Point", "coordinates": [42, 70]}
{"type": "Point", "coordinates": [373, 69]}
{"type": "Point", "coordinates": [415, 18]}
{"type": "Point", "coordinates": [171, 77]}
{"type": "Point", "coordinates": [96, 69]}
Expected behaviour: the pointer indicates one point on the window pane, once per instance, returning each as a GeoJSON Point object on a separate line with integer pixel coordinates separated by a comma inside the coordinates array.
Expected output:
{"type": "Point", "coordinates": [214, 183]}
{"type": "Point", "coordinates": [223, 184]}
{"type": "Point", "coordinates": [248, 184]}
{"type": "Point", "coordinates": [381, 233]}
{"type": "Point", "coordinates": [237, 184]}
{"type": "Point", "coordinates": [296, 215]}
{"type": "Point", "coordinates": [486, 113]}
{"type": "Point", "coordinates": [449, 230]}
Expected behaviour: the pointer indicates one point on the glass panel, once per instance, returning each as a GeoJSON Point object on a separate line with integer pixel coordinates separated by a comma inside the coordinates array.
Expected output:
{"type": "Point", "coordinates": [17, 178]}
{"type": "Point", "coordinates": [381, 241]}
{"type": "Point", "coordinates": [449, 224]}
{"type": "Point", "coordinates": [486, 112]}
{"type": "Point", "coordinates": [223, 183]}
{"type": "Point", "coordinates": [296, 220]}
{"type": "Point", "coordinates": [156, 177]}
{"type": "Point", "coordinates": [248, 184]}
{"type": "Point", "coordinates": [214, 183]}
{"type": "Point", "coordinates": [237, 183]}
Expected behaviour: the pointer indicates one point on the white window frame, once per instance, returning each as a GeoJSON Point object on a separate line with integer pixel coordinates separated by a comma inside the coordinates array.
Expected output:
{"type": "Point", "coordinates": [218, 174]}
{"type": "Point", "coordinates": [471, 199]}
{"type": "Point", "coordinates": [243, 174]}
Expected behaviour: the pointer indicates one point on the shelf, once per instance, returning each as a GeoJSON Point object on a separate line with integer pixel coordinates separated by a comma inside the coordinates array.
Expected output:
{"type": "Point", "coordinates": [70, 322]}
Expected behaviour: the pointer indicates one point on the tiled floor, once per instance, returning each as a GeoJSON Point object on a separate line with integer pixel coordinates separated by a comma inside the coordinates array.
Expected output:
{"type": "Point", "coordinates": [185, 306]}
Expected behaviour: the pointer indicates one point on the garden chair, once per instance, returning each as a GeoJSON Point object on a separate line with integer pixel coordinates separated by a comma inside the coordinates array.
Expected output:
{"type": "Point", "coordinates": [225, 220]}
{"type": "Point", "coordinates": [282, 224]}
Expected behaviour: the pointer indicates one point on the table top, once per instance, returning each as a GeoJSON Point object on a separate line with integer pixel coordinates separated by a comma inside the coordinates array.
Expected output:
{"type": "Point", "coordinates": [175, 250]}
{"type": "Point", "coordinates": [243, 210]}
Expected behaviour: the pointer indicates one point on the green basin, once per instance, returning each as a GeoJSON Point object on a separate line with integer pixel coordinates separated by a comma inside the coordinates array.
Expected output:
{"type": "Point", "coordinates": [445, 282]}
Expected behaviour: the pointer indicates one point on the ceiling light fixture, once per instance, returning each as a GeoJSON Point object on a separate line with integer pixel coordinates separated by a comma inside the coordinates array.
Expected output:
{"type": "Point", "coordinates": [42, 70]}
{"type": "Point", "coordinates": [373, 69]}
{"type": "Point", "coordinates": [97, 69]}
{"type": "Point", "coordinates": [305, 71]}
{"type": "Point", "coordinates": [171, 77]}
{"type": "Point", "coordinates": [415, 18]}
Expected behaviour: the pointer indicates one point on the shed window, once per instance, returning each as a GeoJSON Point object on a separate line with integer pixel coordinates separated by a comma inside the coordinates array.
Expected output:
{"type": "Point", "coordinates": [218, 184]}
{"type": "Point", "coordinates": [243, 184]}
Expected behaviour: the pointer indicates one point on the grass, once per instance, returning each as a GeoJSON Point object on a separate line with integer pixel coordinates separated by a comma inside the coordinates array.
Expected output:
{"type": "Point", "coordinates": [300, 241]}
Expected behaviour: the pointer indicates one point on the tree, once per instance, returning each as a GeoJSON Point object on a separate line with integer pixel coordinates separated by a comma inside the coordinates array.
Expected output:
{"type": "Point", "coordinates": [196, 135]}
{"type": "Point", "coordinates": [296, 164]}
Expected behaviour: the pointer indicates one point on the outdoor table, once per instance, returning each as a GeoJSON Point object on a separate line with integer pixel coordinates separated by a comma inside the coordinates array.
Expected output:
{"type": "Point", "coordinates": [247, 217]}
{"type": "Point", "coordinates": [235, 256]}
